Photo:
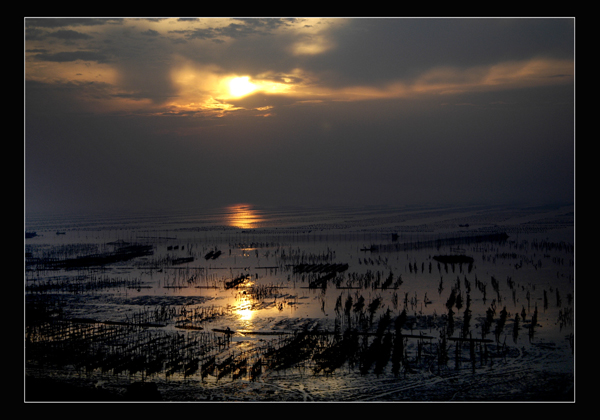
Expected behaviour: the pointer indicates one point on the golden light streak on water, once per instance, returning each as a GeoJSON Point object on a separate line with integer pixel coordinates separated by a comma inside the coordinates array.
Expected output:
{"type": "Point", "coordinates": [242, 216]}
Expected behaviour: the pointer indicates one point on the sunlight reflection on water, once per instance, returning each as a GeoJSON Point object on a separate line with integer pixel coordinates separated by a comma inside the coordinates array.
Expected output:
{"type": "Point", "coordinates": [242, 216]}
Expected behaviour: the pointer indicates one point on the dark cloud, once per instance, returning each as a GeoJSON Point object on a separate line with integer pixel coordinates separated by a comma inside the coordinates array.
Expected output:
{"type": "Point", "coordinates": [240, 28]}
{"type": "Point", "coordinates": [34, 34]}
{"type": "Point", "coordinates": [200, 33]}
{"type": "Point", "coordinates": [66, 56]}
{"type": "Point", "coordinates": [69, 35]}
{"type": "Point", "coordinates": [151, 33]}
{"type": "Point", "coordinates": [62, 22]}
{"type": "Point", "coordinates": [380, 50]}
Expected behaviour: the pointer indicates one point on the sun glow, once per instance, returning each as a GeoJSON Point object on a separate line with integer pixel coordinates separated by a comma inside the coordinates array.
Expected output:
{"type": "Point", "coordinates": [241, 86]}
{"type": "Point", "coordinates": [207, 89]}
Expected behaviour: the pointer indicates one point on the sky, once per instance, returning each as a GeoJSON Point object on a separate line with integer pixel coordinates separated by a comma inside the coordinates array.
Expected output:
{"type": "Point", "coordinates": [144, 114]}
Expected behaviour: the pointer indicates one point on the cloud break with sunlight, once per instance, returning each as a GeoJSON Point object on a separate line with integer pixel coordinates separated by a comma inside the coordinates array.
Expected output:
{"type": "Point", "coordinates": [241, 86]}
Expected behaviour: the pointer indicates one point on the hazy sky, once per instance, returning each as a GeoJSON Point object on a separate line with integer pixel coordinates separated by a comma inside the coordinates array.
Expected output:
{"type": "Point", "coordinates": [128, 114]}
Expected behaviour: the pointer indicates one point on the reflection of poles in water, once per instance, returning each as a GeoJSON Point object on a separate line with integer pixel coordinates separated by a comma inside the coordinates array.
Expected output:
{"type": "Point", "coordinates": [256, 370]}
{"type": "Point", "coordinates": [516, 328]}
{"type": "Point", "coordinates": [533, 323]}
{"type": "Point", "coordinates": [500, 324]}
{"type": "Point", "coordinates": [467, 318]}
{"type": "Point", "coordinates": [426, 300]}
{"type": "Point", "coordinates": [450, 324]}
{"type": "Point", "coordinates": [348, 308]}
{"type": "Point", "coordinates": [373, 306]}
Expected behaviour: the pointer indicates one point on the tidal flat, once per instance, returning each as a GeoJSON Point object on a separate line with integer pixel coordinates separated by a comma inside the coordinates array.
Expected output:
{"type": "Point", "coordinates": [408, 304]}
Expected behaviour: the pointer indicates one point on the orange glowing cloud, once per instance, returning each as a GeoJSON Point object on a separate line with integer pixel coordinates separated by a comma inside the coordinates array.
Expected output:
{"type": "Point", "coordinates": [448, 81]}
{"type": "Point", "coordinates": [211, 89]}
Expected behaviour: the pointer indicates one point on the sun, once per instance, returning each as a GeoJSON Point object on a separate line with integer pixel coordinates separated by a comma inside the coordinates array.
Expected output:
{"type": "Point", "coordinates": [240, 86]}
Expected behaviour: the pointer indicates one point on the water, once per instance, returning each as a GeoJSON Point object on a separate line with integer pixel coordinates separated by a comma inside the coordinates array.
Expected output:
{"type": "Point", "coordinates": [264, 243]}
{"type": "Point", "coordinates": [272, 251]}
